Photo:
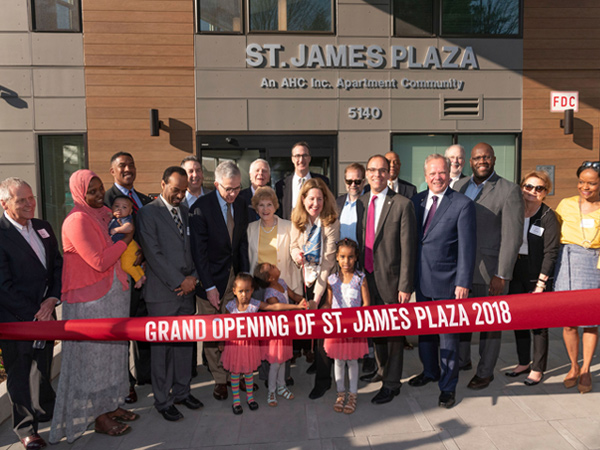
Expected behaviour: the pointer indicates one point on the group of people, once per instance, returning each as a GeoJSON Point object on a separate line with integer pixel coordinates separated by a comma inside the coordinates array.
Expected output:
{"type": "Point", "coordinates": [235, 251]}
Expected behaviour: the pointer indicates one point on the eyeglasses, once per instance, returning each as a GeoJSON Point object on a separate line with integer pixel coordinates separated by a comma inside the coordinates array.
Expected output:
{"type": "Point", "coordinates": [482, 158]}
{"type": "Point", "coordinates": [303, 156]}
{"type": "Point", "coordinates": [593, 164]}
{"type": "Point", "coordinates": [231, 190]}
{"type": "Point", "coordinates": [375, 170]}
{"type": "Point", "coordinates": [531, 187]}
{"type": "Point", "coordinates": [351, 182]}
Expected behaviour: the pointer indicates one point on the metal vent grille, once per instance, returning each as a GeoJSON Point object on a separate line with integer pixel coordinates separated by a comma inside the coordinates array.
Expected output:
{"type": "Point", "coordinates": [461, 107]}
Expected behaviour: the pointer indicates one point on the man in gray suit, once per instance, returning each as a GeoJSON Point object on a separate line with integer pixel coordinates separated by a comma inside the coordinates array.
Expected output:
{"type": "Point", "coordinates": [499, 211]}
{"type": "Point", "coordinates": [387, 237]}
{"type": "Point", "coordinates": [169, 290]}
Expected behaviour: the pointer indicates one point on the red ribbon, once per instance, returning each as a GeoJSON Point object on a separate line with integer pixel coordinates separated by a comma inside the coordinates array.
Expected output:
{"type": "Point", "coordinates": [508, 312]}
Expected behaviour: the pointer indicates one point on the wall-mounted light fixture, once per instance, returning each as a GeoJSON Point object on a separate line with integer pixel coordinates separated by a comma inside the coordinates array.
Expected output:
{"type": "Point", "coordinates": [567, 122]}
{"type": "Point", "coordinates": [155, 124]}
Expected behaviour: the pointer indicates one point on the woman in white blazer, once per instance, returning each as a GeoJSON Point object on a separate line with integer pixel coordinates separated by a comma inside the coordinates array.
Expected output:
{"type": "Point", "coordinates": [269, 239]}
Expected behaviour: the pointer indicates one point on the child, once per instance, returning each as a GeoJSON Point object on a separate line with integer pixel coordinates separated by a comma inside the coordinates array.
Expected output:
{"type": "Point", "coordinates": [277, 351]}
{"type": "Point", "coordinates": [122, 223]}
{"type": "Point", "coordinates": [244, 356]}
{"type": "Point", "coordinates": [346, 289]}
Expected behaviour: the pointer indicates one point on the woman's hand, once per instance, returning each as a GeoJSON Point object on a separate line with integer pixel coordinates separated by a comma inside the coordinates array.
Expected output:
{"type": "Point", "coordinates": [299, 258]}
{"type": "Point", "coordinates": [303, 304]}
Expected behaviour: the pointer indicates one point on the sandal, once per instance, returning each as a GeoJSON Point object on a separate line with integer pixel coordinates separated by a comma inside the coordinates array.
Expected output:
{"type": "Point", "coordinates": [350, 405]}
{"type": "Point", "coordinates": [272, 399]}
{"type": "Point", "coordinates": [111, 429]}
{"type": "Point", "coordinates": [123, 415]}
{"type": "Point", "coordinates": [338, 406]}
{"type": "Point", "coordinates": [284, 392]}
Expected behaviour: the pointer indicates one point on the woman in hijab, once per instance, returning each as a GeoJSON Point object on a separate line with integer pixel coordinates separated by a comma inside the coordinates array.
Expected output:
{"type": "Point", "coordinates": [93, 380]}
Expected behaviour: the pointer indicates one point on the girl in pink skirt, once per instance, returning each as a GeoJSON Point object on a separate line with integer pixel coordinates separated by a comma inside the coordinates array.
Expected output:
{"type": "Point", "coordinates": [346, 289]}
{"type": "Point", "coordinates": [276, 351]}
{"type": "Point", "coordinates": [244, 356]}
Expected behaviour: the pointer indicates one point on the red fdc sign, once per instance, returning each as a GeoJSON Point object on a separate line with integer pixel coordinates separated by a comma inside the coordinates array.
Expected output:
{"type": "Point", "coordinates": [562, 100]}
{"type": "Point", "coordinates": [507, 312]}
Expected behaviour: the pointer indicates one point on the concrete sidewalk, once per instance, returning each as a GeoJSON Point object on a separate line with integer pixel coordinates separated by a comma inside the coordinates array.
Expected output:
{"type": "Point", "coordinates": [507, 415]}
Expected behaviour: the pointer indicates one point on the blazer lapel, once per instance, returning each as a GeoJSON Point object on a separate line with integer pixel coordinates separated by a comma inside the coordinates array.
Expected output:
{"type": "Point", "coordinates": [14, 235]}
{"type": "Point", "coordinates": [168, 217]}
{"type": "Point", "coordinates": [420, 210]}
{"type": "Point", "coordinates": [487, 188]}
{"type": "Point", "coordinates": [384, 212]}
{"type": "Point", "coordinates": [444, 205]}
{"type": "Point", "coordinates": [45, 241]}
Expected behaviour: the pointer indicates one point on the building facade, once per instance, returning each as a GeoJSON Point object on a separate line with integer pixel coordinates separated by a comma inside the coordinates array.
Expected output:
{"type": "Point", "coordinates": [242, 79]}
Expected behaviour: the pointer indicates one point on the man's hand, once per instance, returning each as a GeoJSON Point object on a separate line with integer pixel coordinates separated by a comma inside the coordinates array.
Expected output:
{"type": "Point", "coordinates": [213, 297]}
{"type": "Point", "coordinates": [403, 297]}
{"type": "Point", "coordinates": [139, 257]}
{"type": "Point", "coordinates": [187, 286]}
{"type": "Point", "coordinates": [497, 286]}
{"type": "Point", "coordinates": [461, 292]}
{"type": "Point", "coordinates": [46, 309]}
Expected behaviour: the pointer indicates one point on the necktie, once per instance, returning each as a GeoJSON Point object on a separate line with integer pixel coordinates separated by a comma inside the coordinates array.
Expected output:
{"type": "Point", "coordinates": [230, 222]}
{"type": "Point", "coordinates": [177, 221]}
{"type": "Point", "coordinates": [136, 208]}
{"type": "Point", "coordinates": [370, 236]}
{"type": "Point", "coordinates": [430, 214]}
{"type": "Point", "coordinates": [301, 182]}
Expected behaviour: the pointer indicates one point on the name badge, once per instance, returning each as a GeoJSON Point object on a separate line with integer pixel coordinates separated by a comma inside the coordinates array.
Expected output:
{"type": "Point", "coordinates": [43, 233]}
{"type": "Point", "coordinates": [538, 231]}
{"type": "Point", "coordinates": [588, 223]}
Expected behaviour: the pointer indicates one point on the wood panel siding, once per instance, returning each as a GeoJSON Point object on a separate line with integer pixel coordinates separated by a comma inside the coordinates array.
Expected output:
{"type": "Point", "coordinates": [560, 53]}
{"type": "Point", "coordinates": [139, 54]}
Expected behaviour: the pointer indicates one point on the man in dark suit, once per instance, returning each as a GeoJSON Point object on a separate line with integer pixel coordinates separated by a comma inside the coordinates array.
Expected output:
{"type": "Point", "coordinates": [499, 210]}
{"type": "Point", "coordinates": [387, 238]}
{"type": "Point", "coordinates": [30, 287]}
{"type": "Point", "coordinates": [169, 290]}
{"type": "Point", "coordinates": [123, 171]}
{"type": "Point", "coordinates": [287, 189]}
{"type": "Point", "coordinates": [348, 206]}
{"type": "Point", "coordinates": [456, 155]}
{"type": "Point", "coordinates": [395, 183]}
{"type": "Point", "coordinates": [445, 262]}
{"type": "Point", "coordinates": [260, 174]}
{"type": "Point", "coordinates": [218, 229]}
{"type": "Point", "coordinates": [191, 164]}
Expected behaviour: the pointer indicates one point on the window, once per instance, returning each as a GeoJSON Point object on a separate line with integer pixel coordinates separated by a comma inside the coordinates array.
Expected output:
{"type": "Point", "coordinates": [56, 15]}
{"type": "Point", "coordinates": [413, 149]}
{"type": "Point", "coordinates": [220, 16]}
{"type": "Point", "coordinates": [481, 18]}
{"type": "Point", "coordinates": [291, 15]}
{"type": "Point", "coordinates": [60, 156]}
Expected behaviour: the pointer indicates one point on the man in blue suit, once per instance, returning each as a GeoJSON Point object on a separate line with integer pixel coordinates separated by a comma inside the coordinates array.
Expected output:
{"type": "Point", "coordinates": [446, 224]}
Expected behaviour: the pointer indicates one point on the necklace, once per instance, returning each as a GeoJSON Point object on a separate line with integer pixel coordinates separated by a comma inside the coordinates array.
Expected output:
{"type": "Point", "coordinates": [265, 230]}
{"type": "Point", "coordinates": [586, 243]}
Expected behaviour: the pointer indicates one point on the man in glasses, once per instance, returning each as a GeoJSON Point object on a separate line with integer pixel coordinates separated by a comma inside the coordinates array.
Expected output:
{"type": "Point", "coordinates": [287, 189]}
{"type": "Point", "coordinates": [348, 207]}
{"type": "Point", "coordinates": [218, 223]}
{"type": "Point", "coordinates": [499, 212]}
{"type": "Point", "coordinates": [395, 183]}
{"type": "Point", "coordinates": [456, 155]}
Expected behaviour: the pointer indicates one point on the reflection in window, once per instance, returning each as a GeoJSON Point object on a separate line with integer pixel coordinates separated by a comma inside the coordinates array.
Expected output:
{"type": "Point", "coordinates": [291, 15]}
{"type": "Point", "coordinates": [60, 156]}
{"type": "Point", "coordinates": [56, 15]}
{"type": "Point", "coordinates": [414, 17]}
{"type": "Point", "coordinates": [220, 16]}
{"type": "Point", "coordinates": [480, 17]}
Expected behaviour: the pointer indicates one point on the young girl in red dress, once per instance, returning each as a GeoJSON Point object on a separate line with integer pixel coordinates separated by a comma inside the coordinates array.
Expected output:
{"type": "Point", "coordinates": [244, 356]}
{"type": "Point", "coordinates": [346, 289]}
{"type": "Point", "coordinates": [276, 351]}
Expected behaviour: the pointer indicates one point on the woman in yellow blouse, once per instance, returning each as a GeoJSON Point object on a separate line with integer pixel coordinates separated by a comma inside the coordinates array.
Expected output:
{"type": "Point", "coordinates": [577, 265]}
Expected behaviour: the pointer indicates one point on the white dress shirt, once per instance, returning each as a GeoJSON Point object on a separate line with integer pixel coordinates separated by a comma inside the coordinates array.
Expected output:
{"type": "Point", "coordinates": [296, 187]}
{"type": "Point", "coordinates": [381, 198]}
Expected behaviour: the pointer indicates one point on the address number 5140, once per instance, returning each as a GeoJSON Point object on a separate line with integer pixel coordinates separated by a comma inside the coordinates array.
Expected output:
{"type": "Point", "coordinates": [364, 113]}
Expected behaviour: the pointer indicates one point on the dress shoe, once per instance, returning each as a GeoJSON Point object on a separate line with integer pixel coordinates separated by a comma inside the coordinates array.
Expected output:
{"type": "Point", "coordinates": [33, 442]}
{"type": "Point", "coordinates": [514, 374]}
{"type": "Point", "coordinates": [477, 383]}
{"type": "Point", "coordinates": [318, 392]}
{"type": "Point", "coordinates": [584, 388]}
{"type": "Point", "coordinates": [369, 365]}
{"type": "Point", "coordinates": [385, 395]}
{"type": "Point", "coordinates": [572, 381]}
{"type": "Point", "coordinates": [447, 399]}
{"type": "Point", "coordinates": [529, 382]}
{"type": "Point", "coordinates": [220, 392]}
{"type": "Point", "coordinates": [132, 396]}
{"type": "Point", "coordinates": [171, 414]}
{"type": "Point", "coordinates": [190, 402]}
{"type": "Point", "coordinates": [312, 368]}
{"type": "Point", "coordinates": [467, 366]}
{"type": "Point", "coordinates": [371, 377]}
{"type": "Point", "coordinates": [237, 409]}
{"type": "Point", "coordinates": [253, 405]}
{"type": "Point", "coordinates": [421, 380]}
